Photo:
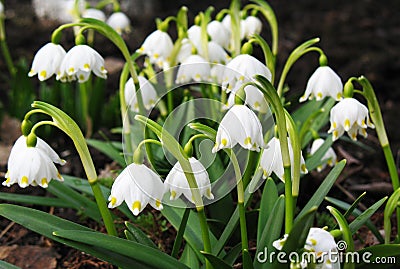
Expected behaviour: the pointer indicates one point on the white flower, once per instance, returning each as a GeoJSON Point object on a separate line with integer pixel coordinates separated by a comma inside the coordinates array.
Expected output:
{"type": "Point", "coordinates": [32, 165]}
{"type": "Point", "coordinates": [194, 35]}
{"type": "Point", "coordinates": [185, 50]}
{"type": "Point", "coordinates": [219, 33]}
{"type": "Point", "coordinates": [351, 116]}
{"type": "Point", "coordinates": [79, 62]}
{"type": "Point", "coordinates": [271, 159]}
{"type": "Point", "coordinates": [94, 13]}
{"type": "Point", "coordinates": [323, 247]}
{"type": "Point", "coordinates": [47, 61]}
{"type": "Point", "coordinates": [138, 186]}
{"type": "Point", "coordinates": [216, 53]}
{"type": "Point", "coordinates": [119, 22]}
{"type": "Point", "coordinates": [227, 22]}
{"type": "Point", "coordinates": [242, 69]}
{"type": "Point", "coordinates": [149, 94]}
{"type": "Point", "coordinates": [1, 9]}
{"type": "Point", "coordinates": [194, 68]}
{"type": "Point", "coordinates": [239, 125]}
{"type": "Point", "coordinates": [177, 183]}
{"type": "Point", "coordinates": [323, 82]}
{"type": "Point", "coordinates": [254, 98]}
{"type": "Point", "coordinates": [252, 25]}
{"type": "Point", "coordinates": [329, 157]}
{"type": "Point", "coordinates": [158, 47]}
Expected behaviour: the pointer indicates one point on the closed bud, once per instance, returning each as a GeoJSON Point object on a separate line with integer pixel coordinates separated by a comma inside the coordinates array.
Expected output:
{"type": "Point", "coordinates": [348, 89]}
{"type": "Point", "coordinates": [247, 48]}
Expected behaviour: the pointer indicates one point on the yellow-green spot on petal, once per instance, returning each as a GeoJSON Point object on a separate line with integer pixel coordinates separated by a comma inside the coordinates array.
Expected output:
{"type": "Point", "coordinates": [158, 203]}
{"type": "Point", "coordinates": [81, 77]}
{"type": "Point", "coordinates": [197, 76]}
{"type": "Point", "coordinates": [44, 182]}
{"type": "Point", "coordinates": [329, 162]}
{"type": "Point", "coordinates": [347, 124]}
{"type": "Point", "coordinates": [31, 72]}
{"type": "Point", "coordinates": [303, 168]}
{"type": "Point", "coordinates": [363, 123]}
{"type": "Point", "coordinates": [24, 180]}
{"type": "Point", "coordinates": [136, 206]}
{"type": "Point", "coordinates": [224, 142]}
{"type": "Point", "coordinates": [173, 194]}
{"type": "Point", "coordinates": [113, 201]}
{"type": "Point", "coordinates": [319, 95]}
{"type": "Point", "coordinates": [247, 140]}
{"type": "Point", "coordinates": [339, 96]}
{"type": "Point", "coordinates": [141, 49]}
{"type": "Point", "coordinates": [335, 134]}
{"type": "Point", "coordinates": [59, 176]}
{"type": "Point", "coordinates": [156, 55]}
{"type": "Point", "coordinates": [257, 104]}
{"type": "Point", "coordinates": [241, 78]}
{"type": "Point", "coordinates": [334, 125]}
{"type": "Point", "coordinates": [71, 70]}
{"type": "Point", "coordinates": [313, 241]}
{"type": "Point", "coordinates": [43, 74]}
{"type": "Point", "coordinates": [86, 66]}
{"type": "Point", "coordinates": [8, 180]}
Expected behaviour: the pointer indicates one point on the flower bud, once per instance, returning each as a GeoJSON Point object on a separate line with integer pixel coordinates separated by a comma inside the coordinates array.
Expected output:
{"type": "Point", "coordinates": [247, 48]}
{"type": "Point", "coordinates": [348, 89]}
{"type": "Point", "coordinates": [323, 60]}
{"type": "Point", "coordinates": [26, 127]}
{"type": "Point", "coordinates": [31, 140]}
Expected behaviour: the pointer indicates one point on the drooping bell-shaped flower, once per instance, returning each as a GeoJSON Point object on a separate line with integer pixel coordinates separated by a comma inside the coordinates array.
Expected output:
{"type": "Point", "coordinates": [242, 69]}
{"type": "Point", "coordinates": [219, 33]}
{"type": "Point", "coordinates": [94, 13]}
{"type": "Point", "coordinates": [32, 165]}
{"type": "Point", "coordinates": [138, 186]}
{"type": "Point", "coordinates": [119, 22]}
{"type": "Point", "coordinates": [158, 47]}
{"type": "Point", "coordinates": [177, 183]}
{"type": "Point", "coordinates": [216, 53]}
{"type": "Point", "coordinates": [79, 62]}
{"type": "Point", "coordinates": [47, 61]}
{"type": "Point", "coordinates": [351, 116]}
{"type": "Point", "coordinates": [194, 35]}
{"type": "Point", "coordinates": [252, 25]}
{"type": "Point", "coordinates": [328, 159]}
{"type": "Point", "coordinates": [239, 125]}
{"type": "Point", "coordinates": [194, 68]}
{"type": "Point", "coordinates": [149, 94]}
{"type": "Point", "coordinates": [254, 98]}
{"type": "Point", "coordinates": [323, 82]}
{"type": "Point", "coordinates": [271, 159]}
{"type": "Point", "coordinates": [1, 9]}
{"type": "Point", "coordinates": [227, 22]}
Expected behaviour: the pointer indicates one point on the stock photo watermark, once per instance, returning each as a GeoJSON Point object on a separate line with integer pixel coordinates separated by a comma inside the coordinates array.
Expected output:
{"type": "Point", "coordinates": [338, 255]}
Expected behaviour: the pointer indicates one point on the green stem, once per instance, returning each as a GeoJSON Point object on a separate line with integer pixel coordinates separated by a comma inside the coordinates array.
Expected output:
{"type": "Point", "coordinates": [289, 202]}
{"type": "Point", "coordinates": [181, 231]}
{"type": "Point", "coordinates": [205, 234]}
{"type": "Point", "coordinates": [234, 12]}
{"type": "Point", "coordinates": [87, 121]}
{"type": "Point", "coordinates": [5, 50]}
{"type": "Point", "coordinates": [168, 76]}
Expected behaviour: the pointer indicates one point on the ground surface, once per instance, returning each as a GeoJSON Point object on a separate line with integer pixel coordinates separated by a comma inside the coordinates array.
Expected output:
{"type": "Point", "coordinates": [360, 37]}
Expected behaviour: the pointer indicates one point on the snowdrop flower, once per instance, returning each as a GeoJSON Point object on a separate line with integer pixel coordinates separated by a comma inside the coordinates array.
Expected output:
{"type": "Point", "coordinates": [177, 183]}
{"type": "Point", "coordinates": [254, 98]}
{"type": "Point", "coordinates": [138, 186]}
{"type": "Point", "coordinates": [329, 157]}
{"type": "Point", "coordinates": [239, 125]}
{"type": "Point", "coordinates": [47, 61]}
{"type": "Point", "coordinates": [323, 246]}
{"type": "Point", "coordinates": [323, 82]}
{"type": "Point", "coordinates": [194, 35]}
{"type": "Point", "coordinates": [271, 159]}
{"type": "Point", "coordinates": [119, 22]}
{"type": "Point", "coordinates": [32, 165]}
{"type": "Point", "coordinates": [79, 62]}
{"type": "Point", "coordinates": [216, 53]}
{"type": "Point", "coordinates": [94, 13]}
{"type": "Point", "coordinates": [147, 90]}
{"type": "Point", "coordinates": [351, 116]}
{"type": "Point", "coordinates": [252, 25]}
{"type": "Point", "coordinates": [194, 68]}
{"type": "Point", "coordinates": [242, 69]}
{"type": "Point", "coordinates": [1, 9]}
{"type": "Point", "coordinates": [226, 21]}
{"type": "Point", "coordinates": [219, 33]}
{"type": "Point", "coordinates": [185, 50]}
{"type": "Point", "coordinates": [158, 47]}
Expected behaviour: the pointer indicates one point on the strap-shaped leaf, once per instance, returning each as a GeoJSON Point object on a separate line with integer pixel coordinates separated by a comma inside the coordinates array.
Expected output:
{"type": "Point", "coordinates": [6, 265]}
{"type": "Point", "coordinates": [374, 256]}
{"type": "Point", "coordinates": [268, 199]}
{"type": "Point", "coordinates": [138, 235]}
{"type": "Point", "coordinates": [33, 200]}
{"type": "Point", "coordinates": [145, 255]}
{"type": "Point", "coordinates": [215, 261]}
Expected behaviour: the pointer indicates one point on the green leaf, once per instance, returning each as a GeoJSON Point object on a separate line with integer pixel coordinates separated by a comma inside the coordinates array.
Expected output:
{"type": "Point", "coordinates": [268, 199]}
{"type": "Point", "coordinates": [373, 256]}
{"type": "Point", "coordinates": [233, 254]}
{"type": "Point", "coordinates": [138, 235]}
{"type": "Point", "coordinates": [316, 158]}
{"type": "Point", "coordinates": [6, 265]}
{"type": "Point", "coordinates": [356, 213]}
{"type": "Point", "coordinates": [45, 224]}
{"type": "Point", "coordinates": [109, 149]}
{"type": "Point", "coordinates": [364, 217]}
{"type": "Point", "coordinates": [145, 255]}
{"type": "Point", "coordinates": [75, 200]}
{"type": "Point", "coordinates": [189, 258]}
{"type": "Point", "coordinates": [215, 261]}
{"type": "Point", "coordinates": [271, 230]}
{"type": "Point", "coordinates": [390, 207]}
{"type": "Point", "coordinates": [347, 235]}
{"type": "Point", "coordinates": [323, 189]}
{"type": "Point", "coordinates": [32, 200]}
{"type": "Point", "coordinates": [247, 261]}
